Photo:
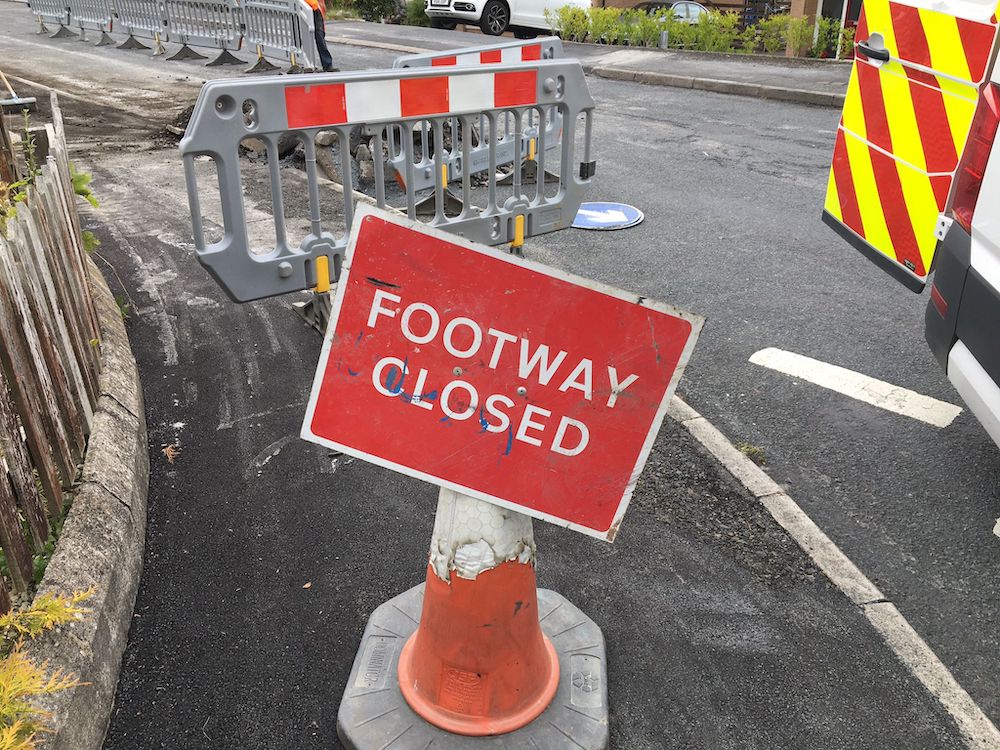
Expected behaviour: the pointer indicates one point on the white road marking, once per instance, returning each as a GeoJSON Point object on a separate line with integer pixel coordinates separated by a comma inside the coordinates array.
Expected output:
{"type": "Point", "coordinates": [977, 730]}
{"type": "Point", "coordinates": [861, 387]}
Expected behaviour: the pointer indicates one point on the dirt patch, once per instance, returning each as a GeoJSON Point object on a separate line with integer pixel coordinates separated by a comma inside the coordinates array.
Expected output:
{"type": "Point", "coordinates": [174, 129]}
{"type": "Point", "coordinates": [97, 127]}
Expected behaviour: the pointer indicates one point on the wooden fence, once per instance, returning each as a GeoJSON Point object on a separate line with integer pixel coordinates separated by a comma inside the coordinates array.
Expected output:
{"type": "Point", "coordinates": [49, 353]}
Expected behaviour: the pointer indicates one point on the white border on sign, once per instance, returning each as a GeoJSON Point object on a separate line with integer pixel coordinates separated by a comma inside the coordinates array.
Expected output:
{"type": "Point", "coordinates": [362, 212]}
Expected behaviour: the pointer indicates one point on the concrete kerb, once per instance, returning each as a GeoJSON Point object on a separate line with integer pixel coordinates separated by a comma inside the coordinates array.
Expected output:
{"type": "Point", "coordinates": [101, 545]}
{"type": "Point", "coordinates": [740, 88]}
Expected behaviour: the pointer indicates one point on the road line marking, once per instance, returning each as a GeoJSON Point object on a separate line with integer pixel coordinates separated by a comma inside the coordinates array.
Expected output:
{"type": "Point", "coordinates": [861, 387]}
{"type": "Point", "coordinates": [837, 566]}
{"type": "Point", "coordinates": [978, 731]}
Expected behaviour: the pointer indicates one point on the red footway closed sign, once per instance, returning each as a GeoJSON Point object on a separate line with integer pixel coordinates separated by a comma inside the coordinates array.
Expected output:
{"type": "Point", "coordinates": [497, 377]}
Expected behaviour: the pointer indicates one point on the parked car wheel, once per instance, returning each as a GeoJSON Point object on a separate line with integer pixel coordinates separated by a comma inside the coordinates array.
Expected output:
{"type": "Point", "coordinates": [441, 23]}
{"type": "Point", "coordinates": [495, 18]}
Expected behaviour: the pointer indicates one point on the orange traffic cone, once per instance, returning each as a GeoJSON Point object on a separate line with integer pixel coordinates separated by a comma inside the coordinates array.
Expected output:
{"type": "Point", "coordinates": [479, 664]}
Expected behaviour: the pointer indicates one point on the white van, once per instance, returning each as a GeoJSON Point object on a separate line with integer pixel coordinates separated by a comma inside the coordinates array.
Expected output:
{"type": "Point", "coordinates": [915, 180]}
{"type": "Point", "coordinates": [494, 17]}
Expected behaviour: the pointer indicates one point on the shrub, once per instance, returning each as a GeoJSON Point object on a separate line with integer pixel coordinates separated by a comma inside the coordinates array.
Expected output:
{"type": "Point", "coordinates": [569, 22]}
{"type": "Point", "coordinates": [717, 32]}
{"type": "Point", "coordinates": [340, 9]}
{"type": "Point", "coordinates": [375, 10]}
{"type": "Point", "coordinates": [679, 34]}
{"type": "Point", "coordinates": [602, 21]}
{"type": "Point", "coordinates": [646, 31]}
{"type": "Point", "coordinates": [617, 33]}
{"type": "Point", "coordinates": [828, 33]}
{"type": "Point", "coordinates": [749, 39]}
{"type": "Point", "coordinates": [415, 15]}
{"type": "Point", "coordinates": [714, 32]}
{"type": "Point", "coordinates": [773, 33]}
{"type": "Point", "coordinates": [847, 41]}
{"type": "Point", "coordinates": [20, 678]}
{"type": "Point", "coordinates": [628, 20]}
{"type": "Point", "coordinates": [799, 35]}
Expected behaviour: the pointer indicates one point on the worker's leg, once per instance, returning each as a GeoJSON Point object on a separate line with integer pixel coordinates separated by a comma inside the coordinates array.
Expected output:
{"type": "Point", "coordinates": [325, 58]}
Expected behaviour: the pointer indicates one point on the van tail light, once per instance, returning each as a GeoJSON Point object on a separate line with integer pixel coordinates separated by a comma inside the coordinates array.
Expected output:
{"type": "Point", "coordinates": [977, 152]}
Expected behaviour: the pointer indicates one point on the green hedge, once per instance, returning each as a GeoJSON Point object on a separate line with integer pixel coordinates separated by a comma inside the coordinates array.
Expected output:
{"type": "Point", "coordinates": [375, 10]}
{"type": "Point", "coordinates": [415, 15]}
{"type": "Point", "coordinates": [714, 32]}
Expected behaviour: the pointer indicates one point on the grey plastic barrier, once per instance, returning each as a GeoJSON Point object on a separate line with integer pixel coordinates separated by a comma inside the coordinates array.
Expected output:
{"type": "Point", "coordinates": [95, 15]}
{"type": "Point", "coordinates": [267, 109]}
{"type": "Point", "coordinates": [53, 11]}
{"type": "Point", "coordinates": [525, 50]}
{"type": "Point", "coordinates": [141, 18]}
{"type": "Point", "coordinates": [547, 48]}
{"type": "Point", "coordinates": [203, 23]}
{"type": "Point", "coordinates": [282, 29]}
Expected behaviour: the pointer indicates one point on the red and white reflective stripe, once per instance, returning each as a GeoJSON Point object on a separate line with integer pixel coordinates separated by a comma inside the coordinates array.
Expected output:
{"type": "Point", "coordinates": [321, 105]}
{"type": "Point", "coordinates": [526, 53]}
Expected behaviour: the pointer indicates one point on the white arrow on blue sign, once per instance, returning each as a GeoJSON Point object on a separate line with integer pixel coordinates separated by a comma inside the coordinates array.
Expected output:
{"type": "Point", "coordinates": [596, 215]}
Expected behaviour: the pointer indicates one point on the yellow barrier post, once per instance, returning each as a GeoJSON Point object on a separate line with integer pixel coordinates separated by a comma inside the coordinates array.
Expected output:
{"type": "Point", "coordinates": [517, 245]}
{"type": "Point", "coordinates": [322, 275]}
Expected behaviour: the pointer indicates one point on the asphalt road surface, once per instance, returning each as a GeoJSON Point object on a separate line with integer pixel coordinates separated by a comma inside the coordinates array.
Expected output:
{"type": "Point", "coordinates": [720, 632]}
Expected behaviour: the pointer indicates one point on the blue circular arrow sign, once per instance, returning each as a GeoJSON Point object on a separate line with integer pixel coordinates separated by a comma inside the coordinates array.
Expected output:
{"type": "Point", "coordinates": [596, 215]}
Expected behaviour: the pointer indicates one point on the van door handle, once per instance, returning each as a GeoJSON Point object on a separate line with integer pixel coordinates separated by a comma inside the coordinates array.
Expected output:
{"type": "Point", "coordinates": [871, 52]}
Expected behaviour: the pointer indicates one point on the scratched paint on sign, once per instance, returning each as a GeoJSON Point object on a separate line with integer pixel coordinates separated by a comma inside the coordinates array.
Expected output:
{"type": "Point", "coordinates": [496, 377]}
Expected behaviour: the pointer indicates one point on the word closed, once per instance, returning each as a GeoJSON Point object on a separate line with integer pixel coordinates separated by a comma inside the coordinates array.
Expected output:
{"type": "Point", "coordinates": [496, 377]}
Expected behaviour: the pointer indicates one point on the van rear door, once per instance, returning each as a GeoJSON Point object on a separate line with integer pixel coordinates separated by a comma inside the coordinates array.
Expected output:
{"type": "Point", "coordinates": [910, 101]}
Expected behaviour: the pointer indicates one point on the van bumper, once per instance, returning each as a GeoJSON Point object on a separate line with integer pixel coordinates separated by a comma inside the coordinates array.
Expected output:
{"type": "Point", "coordinates": [962, 320]}
{"type": "Point", "coordinates": [952, 260]}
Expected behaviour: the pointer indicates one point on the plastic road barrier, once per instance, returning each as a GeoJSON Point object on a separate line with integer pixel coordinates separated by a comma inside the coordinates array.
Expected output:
{"type": "Point", "coordinates": [229, 111]}
{"type": "Point", "coordinates": [548, 48]}
{"type": "Point", "coordinates": [141, 18]}
{"type": "Point", "coordinates": [92, 14]}
{"type": "Point", "coordinates": [204, 23]}
{"type": "Point", "coordinates": [282, 29]}
{"type": "Point", "coordinates": [53, 11]}
{"type": "Point", "coordinates": [279, 28]}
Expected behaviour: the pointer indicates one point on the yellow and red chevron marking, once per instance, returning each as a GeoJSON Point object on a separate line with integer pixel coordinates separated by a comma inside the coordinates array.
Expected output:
{"type": "Point", "coordinates": [904, 127]}
{"type": "Point", "coordinates": [953, 46]}
{"type": "Point", "coordinates": [903, 112]}
{"type": "Point", "coordinates": [889, 204]}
